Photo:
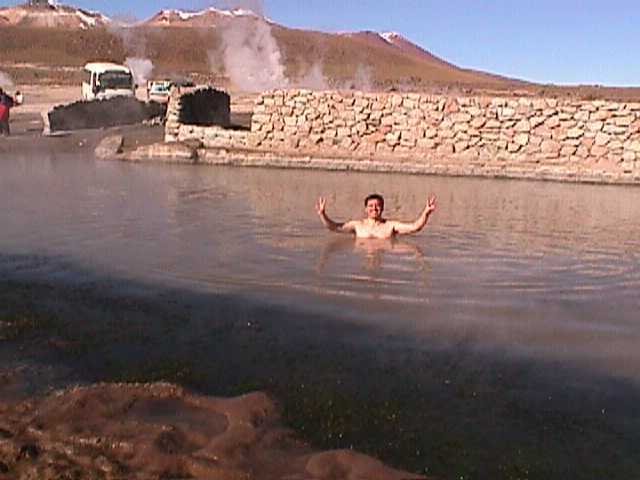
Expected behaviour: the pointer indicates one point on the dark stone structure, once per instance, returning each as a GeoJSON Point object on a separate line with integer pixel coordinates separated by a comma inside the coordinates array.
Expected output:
{"type": "Point", "coordinates": [103, 113]}
{"type": "Point", "coordinates": [205, 107]}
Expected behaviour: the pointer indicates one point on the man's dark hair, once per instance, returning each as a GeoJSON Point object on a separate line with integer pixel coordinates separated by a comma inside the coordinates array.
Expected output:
{"type": "Point", "coordinates": [374, 196]}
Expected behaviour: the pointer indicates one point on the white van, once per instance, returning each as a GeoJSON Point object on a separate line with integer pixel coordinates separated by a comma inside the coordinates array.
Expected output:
{"type": "Point", "coordinates": [105, 80]}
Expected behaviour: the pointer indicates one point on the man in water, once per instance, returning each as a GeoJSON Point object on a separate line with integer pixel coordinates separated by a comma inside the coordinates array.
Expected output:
{"type": "Point", "coordinates": [375, 225]}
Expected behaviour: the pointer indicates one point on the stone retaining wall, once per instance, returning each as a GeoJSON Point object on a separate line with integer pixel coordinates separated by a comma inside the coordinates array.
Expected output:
{"type": "Point", "coordinates": [524, 137]}
{"type": "Point", "coordinates": [195, 106]}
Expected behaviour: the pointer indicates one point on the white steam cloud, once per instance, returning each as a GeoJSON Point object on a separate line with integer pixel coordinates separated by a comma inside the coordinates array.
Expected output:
{"type": "Point", "coordinates": [363, 79]}
{"type": "Point", "coordinates": [141, 68]}
{"type": "Point", "coordinates": [135, 45]}
{"type": "Point", "coordinates": [314, 79]}
{"type": "Point", "coordinates": [6, 81]}
{"type": "Point", "coordinates": [251, 56]}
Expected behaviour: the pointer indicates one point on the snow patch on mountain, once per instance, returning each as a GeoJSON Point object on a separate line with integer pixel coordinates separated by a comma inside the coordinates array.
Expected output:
{"type": "Point", "coordinates": [53, 14]}
{"type": "Point", "coordinates": [389, 37]}
{"type": "Point", "coordinates": [186, 15]}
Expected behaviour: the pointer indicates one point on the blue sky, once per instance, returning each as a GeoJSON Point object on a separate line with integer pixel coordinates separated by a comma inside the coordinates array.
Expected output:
{"type": "Point", "coordinates": [561, 41]}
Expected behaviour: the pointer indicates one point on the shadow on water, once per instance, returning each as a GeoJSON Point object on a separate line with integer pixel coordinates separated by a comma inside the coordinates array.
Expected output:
{"type": "Point", "coordinates": [454, 411]}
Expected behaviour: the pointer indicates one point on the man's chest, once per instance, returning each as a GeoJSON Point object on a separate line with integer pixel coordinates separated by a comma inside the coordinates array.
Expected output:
{"type": "Point", "coordinates": [377, 230]}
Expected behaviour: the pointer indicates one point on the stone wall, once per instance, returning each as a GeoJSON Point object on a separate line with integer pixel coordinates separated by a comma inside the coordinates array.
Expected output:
{"type": "Point", "coordinates": [196, 107]}
{"type": "Point", "coordinates": [545, 138]}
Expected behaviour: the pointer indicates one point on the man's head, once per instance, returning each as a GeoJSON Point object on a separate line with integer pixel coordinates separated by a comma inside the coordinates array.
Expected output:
{"type": "Point", "coordinates": [374, 205]}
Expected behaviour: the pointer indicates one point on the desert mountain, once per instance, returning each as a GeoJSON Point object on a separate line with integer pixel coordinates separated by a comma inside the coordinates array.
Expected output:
{"type": "Point", "coordinates": [210, 17]}
{"type": "Point", "coordinates": [46, 42]}
{"type": "Point", "coordinates": [198, 44]}
{"type": "Point", "coordinates": [50, 14]}
{"type": "Point", "coordinates": [407, 46]}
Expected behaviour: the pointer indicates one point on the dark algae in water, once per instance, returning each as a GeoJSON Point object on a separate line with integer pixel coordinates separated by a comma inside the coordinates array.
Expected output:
{"type": "Point", "coordinates": [452, 413]}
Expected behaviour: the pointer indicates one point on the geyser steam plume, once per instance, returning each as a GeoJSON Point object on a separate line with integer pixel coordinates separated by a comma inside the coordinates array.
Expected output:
{"type": "Point", "coordinates": [141, 69]}
{"type": "Point", "coordinates": [5, 81]}
{"type": "Point", "coordinates": [251, 55]}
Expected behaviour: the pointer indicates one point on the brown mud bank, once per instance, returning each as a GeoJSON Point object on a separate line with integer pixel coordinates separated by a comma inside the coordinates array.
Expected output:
{"type": "Point", "coordinates": [159, 430]}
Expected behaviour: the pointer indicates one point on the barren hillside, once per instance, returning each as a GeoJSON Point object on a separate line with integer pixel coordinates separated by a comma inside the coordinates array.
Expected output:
{"type": "Point", "coordinates": [41, 45]}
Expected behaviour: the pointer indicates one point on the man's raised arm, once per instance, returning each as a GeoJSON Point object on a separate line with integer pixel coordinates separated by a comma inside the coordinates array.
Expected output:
{"type": "Point", "coordinates": [402, 228]}
{"type": "Point", "coordinates": [346, 227]}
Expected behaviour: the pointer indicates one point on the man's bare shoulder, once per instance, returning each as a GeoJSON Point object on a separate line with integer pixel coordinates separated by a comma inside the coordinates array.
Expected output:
{"type": "Point", "coordinates": [351, 225]}
{"type": "Point", "coordinates": [354, 223]}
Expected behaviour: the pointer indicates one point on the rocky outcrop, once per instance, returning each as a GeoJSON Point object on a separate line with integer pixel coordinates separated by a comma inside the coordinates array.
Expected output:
{"type": "Point", "coordinates": [113, 148]}
{"type": "Point", "coordinates": [102, 113]}
{"type": "Point", "coordinates": [109, 147]}
{"type": "Point", "coordinates": [164, 152]}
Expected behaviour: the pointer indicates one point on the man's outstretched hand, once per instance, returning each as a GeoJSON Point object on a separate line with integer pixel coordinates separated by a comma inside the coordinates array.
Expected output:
{"type": "Point", "coordinates": [320, 204]}
{"type": "Point", "coordinates": [431, 204]}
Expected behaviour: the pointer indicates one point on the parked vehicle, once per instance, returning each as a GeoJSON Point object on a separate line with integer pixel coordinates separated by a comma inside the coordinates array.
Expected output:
{"type": "Point", "coordinates": [106, 80]}
{"type": "Point", "coordinates": [159, 90]}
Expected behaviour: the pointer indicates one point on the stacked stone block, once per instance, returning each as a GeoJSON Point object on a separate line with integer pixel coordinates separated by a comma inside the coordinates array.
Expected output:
{"type": "Point", "coordinates": [515, 137]}
{"type": "Point", "coordinates": [172, 119]}
{"type": "Point", "coordinates": [214, 137]}
{"type": "Point", "coordinates": [508, 130]}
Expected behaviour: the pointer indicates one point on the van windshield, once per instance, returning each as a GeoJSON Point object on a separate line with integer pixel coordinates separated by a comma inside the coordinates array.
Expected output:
{"type": "Point", "coordinates": [115, 80]}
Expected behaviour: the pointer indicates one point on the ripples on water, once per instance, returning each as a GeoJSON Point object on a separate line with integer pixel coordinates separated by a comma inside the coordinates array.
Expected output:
{"type": "Point", "coordinates": [549, 269]}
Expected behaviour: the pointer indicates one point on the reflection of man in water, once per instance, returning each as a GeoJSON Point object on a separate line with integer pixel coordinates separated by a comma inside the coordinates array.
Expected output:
{"type": "Point", "coordinates": [372, 250]}
{"type": "Point", "coordinates": [375, 225]}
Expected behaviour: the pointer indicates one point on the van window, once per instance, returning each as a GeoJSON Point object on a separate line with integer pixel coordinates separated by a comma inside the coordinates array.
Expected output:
{"type": "Point", "coordinates": [115, 80]}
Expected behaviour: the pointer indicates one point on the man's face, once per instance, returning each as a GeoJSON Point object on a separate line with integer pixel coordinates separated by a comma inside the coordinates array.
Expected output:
{"type": "Point", "coordinates": [374, 209]}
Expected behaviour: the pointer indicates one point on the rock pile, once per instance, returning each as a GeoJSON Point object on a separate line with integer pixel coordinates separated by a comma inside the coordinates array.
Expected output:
{"type": "Point", "coordinates": [102, 113]}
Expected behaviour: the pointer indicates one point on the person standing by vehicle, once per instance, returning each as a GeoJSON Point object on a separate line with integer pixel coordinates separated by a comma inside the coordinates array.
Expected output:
{"type": "Point", "coordinates": [6, 103]}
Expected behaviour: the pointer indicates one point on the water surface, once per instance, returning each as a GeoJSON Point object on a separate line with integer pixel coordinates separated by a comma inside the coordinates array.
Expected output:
{"type": "Point", "coordinates": [539, 268]}
{"type": "Point", "coordinates": [508, 325]}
